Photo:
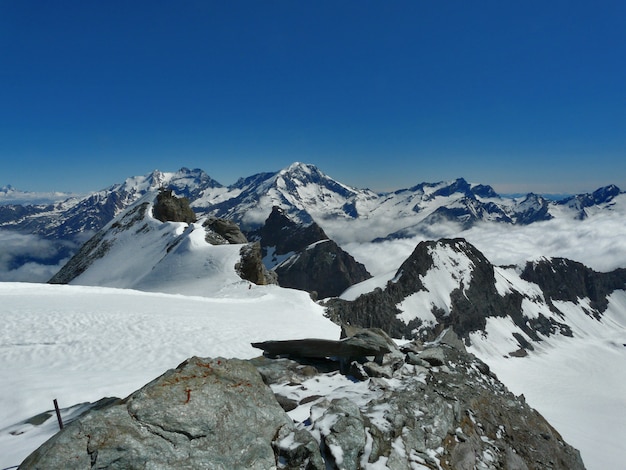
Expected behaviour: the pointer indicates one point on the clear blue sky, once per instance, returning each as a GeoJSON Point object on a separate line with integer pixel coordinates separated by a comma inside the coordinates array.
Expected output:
{"type": "Point", "coordinates": [521, 95]}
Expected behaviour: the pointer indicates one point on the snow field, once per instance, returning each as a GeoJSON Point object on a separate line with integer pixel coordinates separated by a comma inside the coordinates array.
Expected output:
{"type": "Point", "coordinates": [578, 384]}
{"type": "Point", "coordinates": [79, 344]}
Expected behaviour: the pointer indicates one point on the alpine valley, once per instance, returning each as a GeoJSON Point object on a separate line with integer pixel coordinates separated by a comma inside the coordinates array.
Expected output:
{"type": "Point", "coordinates": [508, 319]}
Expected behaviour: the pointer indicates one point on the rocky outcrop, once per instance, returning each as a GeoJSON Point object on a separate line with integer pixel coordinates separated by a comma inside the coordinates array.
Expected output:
{"type": "Point", "coordinates": [284, 235]}
{"type": "Point", "coordinates": [221, 231]}
{"type": "Point", "coordinates": [470, 305]}
{"type": "Point", "coordinates": [169, 208]}
{"type": "Point", "coordinates": [304, 258]}
{"type": "Point", "coordinates": [563, 279]}
{"type": "Point", "coordinates": [322, 268]}
{"type": "Point", "coordinates": [425, 406]}
{"type": "Point", "coordinates": [207, 413]}
{"type": "Point", "coordinates": [251, 267]}
{"type": "Point", "coordinates": [473, 295]}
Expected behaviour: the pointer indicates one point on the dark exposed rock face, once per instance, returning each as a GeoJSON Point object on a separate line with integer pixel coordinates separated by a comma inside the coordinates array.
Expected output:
{"type": "Point", "coordinates": [169, 208]}
{"type": "Point", "coordinates": [361, 344]}
{"type": "Point", "coordinates": [251, 267]}
{"type": "Point", "coordinates": [563, 279]}
{"type": "Point", "coordinates": [285, 235]}
{"type": "Point", "coordinates": [443, 409]}
{"type": "Point", "coordinates": [316, 265]}
{"type": "Point", "coordinates": [471, 303]}
{"type": "Point", "coordinates": [323, 268]}
{"type": "Point", "coordinates": [221, 231]}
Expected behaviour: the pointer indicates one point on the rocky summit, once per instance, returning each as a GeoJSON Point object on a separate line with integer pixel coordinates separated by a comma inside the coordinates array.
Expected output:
{"type": "Point", "coordinates": [420, 406]}
{"type": "Point", "coordinates": [304, 258]}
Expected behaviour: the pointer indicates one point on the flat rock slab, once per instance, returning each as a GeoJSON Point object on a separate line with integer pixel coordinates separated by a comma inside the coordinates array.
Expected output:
{"type": "Point", "coordinates": [319, 348]}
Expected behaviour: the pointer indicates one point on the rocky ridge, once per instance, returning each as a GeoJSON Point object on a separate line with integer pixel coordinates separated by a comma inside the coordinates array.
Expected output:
{"type": "Point", "coordinates": [156, 229]}
{"type": "Point", "coordinates": [424, 406]}
{"type": "Point", "coordinates": [449, 283]}
{"type": "Point", "coordinates": [304, 258]}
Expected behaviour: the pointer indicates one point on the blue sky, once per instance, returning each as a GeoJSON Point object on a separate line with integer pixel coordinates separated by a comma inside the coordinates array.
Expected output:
{"type": "Point", "coordinates": [525, 96]}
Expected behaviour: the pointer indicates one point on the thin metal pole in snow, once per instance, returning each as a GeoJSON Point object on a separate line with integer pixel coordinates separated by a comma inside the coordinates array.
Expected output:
{"type": "Point", "coordinates": [56, 408]}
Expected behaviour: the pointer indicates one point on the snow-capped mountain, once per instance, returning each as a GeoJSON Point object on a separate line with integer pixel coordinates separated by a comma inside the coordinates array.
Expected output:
{"type": "Point", "coordinates": [449, 283]}
{"type": "Point", "coordinates": [305, 194]}
{"type": "Point", "coordinates": [517, 318]}
{"type": "Point", "coordinates": [90, 213]}
{"type": "Point", "coordinates": [14, 196]}
{"type": "Point", "coordinates": [174, 255]}
{"type": "Point", "coordinates": [301, 190]}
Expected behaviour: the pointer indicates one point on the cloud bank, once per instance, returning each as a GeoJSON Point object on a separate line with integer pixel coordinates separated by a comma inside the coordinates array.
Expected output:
{"type": "Point", "coordinates": [30, 258]}
{"type": "Point", "coordinates": [598, 242]}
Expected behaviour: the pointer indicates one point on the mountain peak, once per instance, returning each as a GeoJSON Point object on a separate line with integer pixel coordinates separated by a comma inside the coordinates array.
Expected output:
{"type": "Point", "coordinates": [302, 171]}
{"type": "Point", "coordinates": [300, 166]}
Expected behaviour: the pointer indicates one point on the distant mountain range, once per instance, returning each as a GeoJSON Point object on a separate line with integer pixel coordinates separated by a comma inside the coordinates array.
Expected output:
{"type": "Point", "coordinates": [443, 283]}
{"type": "Point", "coordinates": [11, 195]}
{"type": "Point", "coordinates": [305, 195]}
{"type": "Point", "coordinates": [296, 227]}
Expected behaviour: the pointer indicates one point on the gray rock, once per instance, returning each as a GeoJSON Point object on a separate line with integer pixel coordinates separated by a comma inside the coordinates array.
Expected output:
{"type": "Point", "coordinates": [353, 347]}
{"type": "Point", "coordinates": [372, 369]}
{"type": "Point", "coordinates": [434, 356]}
{"type": "Point", "coordinates": [218, 414]}
{"type": "Point", "coordinates": [169, 208]}
{"type": "Point", "coordinates": [222, 231]}
{"type": "Point", "coordinates": [251, 267]}
{"type": "Point", "coordinates": [283, 370]}
{"type": "Point", "coordinates": [343, 432]}
{"type": "Point", "coordinates": [450, 338]}
{"type": "Point", "coordinates": [374, 338]}
{"type": "Point", "coordinates": [207, 413]}
{"type": "Point", "coordinates": [297, 449]}
{"type": "Point", "coordinates": [414, 359]}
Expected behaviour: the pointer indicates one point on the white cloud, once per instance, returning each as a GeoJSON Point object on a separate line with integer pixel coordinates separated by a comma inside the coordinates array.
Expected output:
{"type": "Point", "coordinates": [598, 242]}
{"type": "Point", "coordinates": [30, 258]}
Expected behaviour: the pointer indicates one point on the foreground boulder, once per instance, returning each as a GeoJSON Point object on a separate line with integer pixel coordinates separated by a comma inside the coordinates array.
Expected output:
{"type": "Point", "coordinates": [207, 413]}
{"type": "Point", "coordinates": [426, 406]}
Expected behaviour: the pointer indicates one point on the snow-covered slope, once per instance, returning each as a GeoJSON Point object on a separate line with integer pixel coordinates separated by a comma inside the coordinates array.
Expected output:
{"type": "Point", "coordinates": [577, 383]}
{"type": "Point", "coordinates": [137, 251]}
{"type": "Point", "coordinates": [80, 344]}
{"type": "Point", "coordinates": [552, 329]}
